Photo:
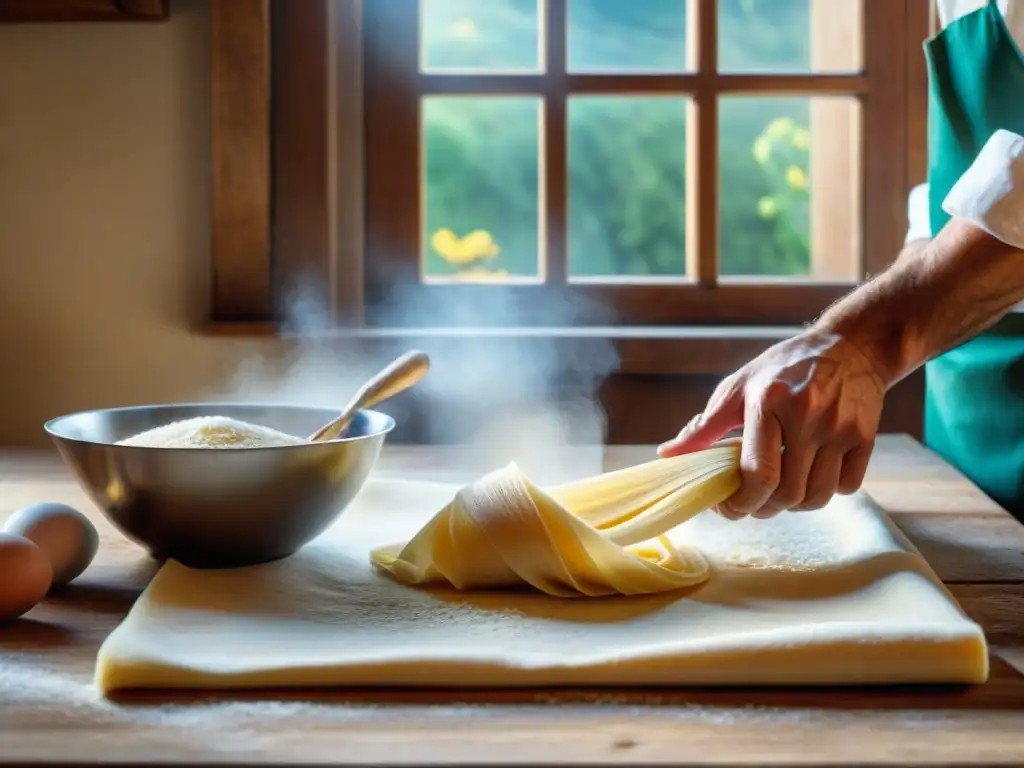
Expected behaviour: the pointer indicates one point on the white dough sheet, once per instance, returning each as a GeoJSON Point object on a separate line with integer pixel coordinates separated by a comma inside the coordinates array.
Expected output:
{"type": "Point", "coordinates": [832, 597]}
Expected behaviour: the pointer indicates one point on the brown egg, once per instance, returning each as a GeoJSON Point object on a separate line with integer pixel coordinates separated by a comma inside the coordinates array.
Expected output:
{"type": "Point", "coordinates": [25, 576]}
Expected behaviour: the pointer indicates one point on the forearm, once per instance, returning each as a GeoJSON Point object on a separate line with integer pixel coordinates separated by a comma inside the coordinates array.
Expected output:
{"type": "Point", "coordinates": [912, 250]}
{"type": "Point", "coordinates": [938, 294]}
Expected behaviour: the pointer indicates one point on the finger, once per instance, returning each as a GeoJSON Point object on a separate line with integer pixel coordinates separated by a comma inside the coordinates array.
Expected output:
{"type": "Point", "coordinates": [823, 480]}
{"type": "Point", "coordinates": [728, 512]}
{"type": "Point", "coordinates": [855, 467]}
{"type": "Point", "coordinates": [760, 459]}
{"type": "Point", "coordinates": [706, 428]}
{"type": "Point", "coordinates": [797, 460]}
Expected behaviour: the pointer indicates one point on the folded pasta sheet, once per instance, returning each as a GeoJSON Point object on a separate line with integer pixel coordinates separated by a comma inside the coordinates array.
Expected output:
{"type": "Point", "coordinates": [595, 537]}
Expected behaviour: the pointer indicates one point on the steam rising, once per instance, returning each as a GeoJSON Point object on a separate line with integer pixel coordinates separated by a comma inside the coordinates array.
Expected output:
{"type": "Point", "coordinates": [531, 400]}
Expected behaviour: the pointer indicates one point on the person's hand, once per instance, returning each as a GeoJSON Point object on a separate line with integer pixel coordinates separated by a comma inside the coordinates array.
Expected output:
{"type": "Point", "coordinates": [809, 409]}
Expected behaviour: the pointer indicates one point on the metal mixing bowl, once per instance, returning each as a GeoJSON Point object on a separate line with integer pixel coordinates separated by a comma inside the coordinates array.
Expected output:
{"type": "Point", "coordinates": [216, 508]}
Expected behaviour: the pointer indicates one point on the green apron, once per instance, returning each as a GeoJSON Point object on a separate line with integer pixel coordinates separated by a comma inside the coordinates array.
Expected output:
{"type": "Point", "coordinates": [974, 397]}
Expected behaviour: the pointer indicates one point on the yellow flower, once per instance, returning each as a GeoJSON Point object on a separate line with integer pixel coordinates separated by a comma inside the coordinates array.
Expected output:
{"type": "Point", "coordinates": [477, 245]}
{"type": "Point", "coordinates": [801, 138]}
{"type": "Point", "coordinates": [796, 178]}
{"type": "Point", "coordinates": [480, 243]}
{"type": "Point", "coordinates": [780, 127]}
{"type": "Point", "coordinates": [767, 208]}
{"type": "Point", "coordinates": [762, 150]}
{"type": "Point", "coordinates": [444, 242]}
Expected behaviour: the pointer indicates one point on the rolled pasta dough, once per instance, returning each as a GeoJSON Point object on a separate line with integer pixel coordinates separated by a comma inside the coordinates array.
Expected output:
{"type": "Point", "coordinates": [832, 597]}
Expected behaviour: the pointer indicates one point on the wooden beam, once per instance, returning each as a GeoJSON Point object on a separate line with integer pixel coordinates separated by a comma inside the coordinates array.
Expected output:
{"type": "Point", "coordinates": [301, 199]}
{"type": "Point", "coordinates": [12, 11]}
{"type": "Point", "coordinates": [638, 84]}
{"type": "Point", "coordinates": [240, 137]}
{"type": "Point", "coordinates": [347, 151]}
{"type": "Point", "coordinates": [554, 156]}
{"type": "Point", "coordinates": [596, 302]}
{"type": "Point", "coordinates": [702, 182]}
{"type": "Point", "coordinates": [393, 152]}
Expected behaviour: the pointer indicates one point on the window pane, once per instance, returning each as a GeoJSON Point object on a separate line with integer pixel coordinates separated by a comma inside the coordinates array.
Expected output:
{"type": "Point", "coordinates": [627, 35]}
{"type": "Point", "coordinates": [790, 182]}
{"type": "Point", "coordinates": [482, 208]}
{"type": "Point", "coordinates": [790, 35]}
{"type": "Point", "coordinates": [480, 35]}
{"type": "Point", "coordinates": [627, 186]}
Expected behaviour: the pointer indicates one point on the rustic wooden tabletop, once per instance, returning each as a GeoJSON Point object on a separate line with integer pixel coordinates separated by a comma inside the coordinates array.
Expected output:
{"type": "Point", "coordinates": [50, 712]}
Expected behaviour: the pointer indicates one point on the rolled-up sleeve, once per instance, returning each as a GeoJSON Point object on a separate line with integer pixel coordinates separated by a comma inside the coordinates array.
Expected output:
{"type": "Point", "coordinates": [918, 216]}
{"type": "Point", "coordinates": [990, 194]}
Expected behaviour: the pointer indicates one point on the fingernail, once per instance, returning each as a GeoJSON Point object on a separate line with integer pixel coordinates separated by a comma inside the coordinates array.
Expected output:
{"type": "Point", "coordinates": [728, 512]}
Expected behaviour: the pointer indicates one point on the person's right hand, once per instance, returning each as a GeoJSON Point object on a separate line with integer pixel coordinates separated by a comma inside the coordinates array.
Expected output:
{"type": "Point", "coordinates": [809, 408]}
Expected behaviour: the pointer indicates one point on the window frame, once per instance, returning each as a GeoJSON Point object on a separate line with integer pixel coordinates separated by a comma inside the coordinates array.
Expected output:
{"type": "Point", "coordinates": [294, 204]}
{"type": "Point", "coordinates": [394, 86]}
{"type": "Point", "coordinates": [46, 11]}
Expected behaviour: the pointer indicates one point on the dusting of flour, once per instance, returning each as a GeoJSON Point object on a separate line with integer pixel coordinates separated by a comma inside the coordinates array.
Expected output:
{"type": "Point", "coordinates": [211, 432]}
{"type": "Point", "coordinates": [31, 692]}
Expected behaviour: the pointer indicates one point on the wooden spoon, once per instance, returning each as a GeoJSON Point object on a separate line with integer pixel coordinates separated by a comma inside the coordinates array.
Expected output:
{"type": "Point", "coordinates": [397, 377]}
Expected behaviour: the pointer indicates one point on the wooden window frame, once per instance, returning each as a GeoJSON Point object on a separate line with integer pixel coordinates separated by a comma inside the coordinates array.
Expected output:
{"type": "Point", "coordinates": [277, 141]}
{"type": "Point", "coordinates": [395, 85]}
{"type": "Point", "coordinates": [294, 204]}
{"type": "Point", "coordinates": [82, 10]}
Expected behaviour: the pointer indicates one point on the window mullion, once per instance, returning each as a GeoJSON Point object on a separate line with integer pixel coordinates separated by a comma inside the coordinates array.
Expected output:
{"type": "Point", "coordinates": [554, 156]}
{"type": "Point", "coordinates": [702, 146]}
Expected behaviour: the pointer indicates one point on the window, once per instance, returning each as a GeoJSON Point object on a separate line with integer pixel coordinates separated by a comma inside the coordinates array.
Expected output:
{"type": "Point", "coordinates": [683, 163]}
{"type": "Point", "coordinates": [643, 162]}
{"type": "Point", "coordinates": [319, 110]}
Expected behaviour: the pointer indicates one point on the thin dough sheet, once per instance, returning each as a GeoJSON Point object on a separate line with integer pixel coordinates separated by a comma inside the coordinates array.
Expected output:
{"type": "Point", "coordinates": [833, 597]}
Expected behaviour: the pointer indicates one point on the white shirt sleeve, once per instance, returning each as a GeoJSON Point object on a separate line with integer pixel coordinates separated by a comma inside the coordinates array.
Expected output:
{"type": "Point", "coordinates": [918, 215]}
{"type": "Point", "coordinates": [990, 194]}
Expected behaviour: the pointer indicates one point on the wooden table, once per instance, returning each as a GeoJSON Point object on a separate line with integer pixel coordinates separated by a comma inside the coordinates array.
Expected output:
{"type": "Point", "coordinates": [49, 712]}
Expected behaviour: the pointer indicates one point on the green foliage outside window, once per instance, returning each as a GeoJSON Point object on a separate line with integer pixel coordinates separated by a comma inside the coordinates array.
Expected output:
{"type": "Point", "coordinates": [626, 177]}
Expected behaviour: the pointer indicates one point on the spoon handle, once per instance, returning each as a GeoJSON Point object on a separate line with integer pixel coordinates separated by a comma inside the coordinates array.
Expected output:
{"type": "Point", "coordinates": [397, 377]}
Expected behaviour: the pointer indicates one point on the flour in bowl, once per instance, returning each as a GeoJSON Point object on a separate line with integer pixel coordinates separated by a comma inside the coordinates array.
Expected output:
{"type": "Point", "coordinates": [211, 432]}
